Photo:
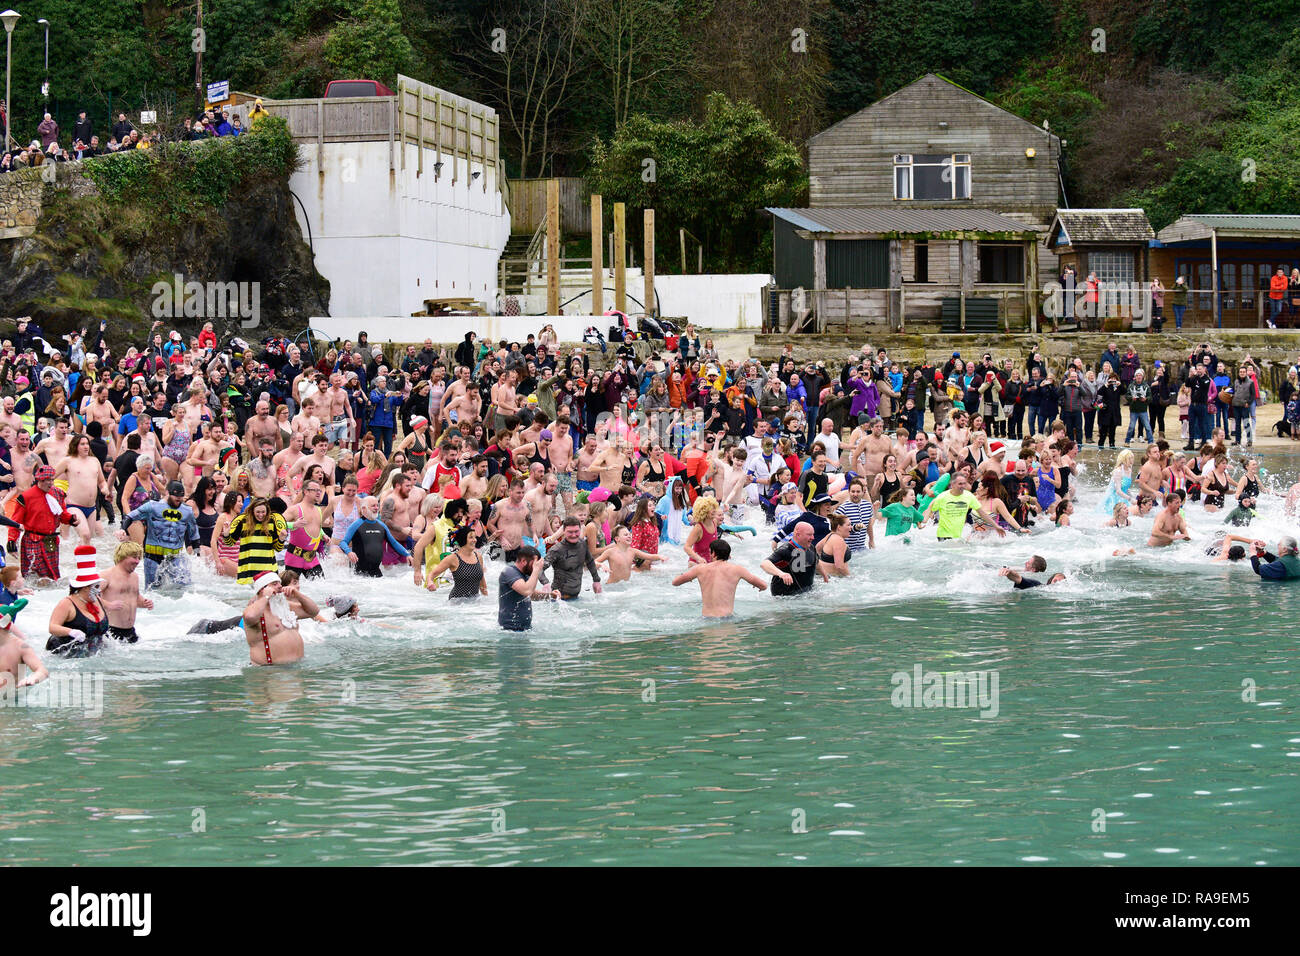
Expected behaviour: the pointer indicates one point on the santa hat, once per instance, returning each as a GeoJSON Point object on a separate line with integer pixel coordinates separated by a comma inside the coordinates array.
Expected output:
{"type": "Point", "coordinates": [87, 574]}
{"type": "Point", "coordinates": [263, 579]}
{"type": "Point", "coordinates": [997, 448]}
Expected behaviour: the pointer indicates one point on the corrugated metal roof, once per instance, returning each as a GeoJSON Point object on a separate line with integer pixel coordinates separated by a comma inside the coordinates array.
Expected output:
{"type": "Point", "coordinates": [890, 221]}
{"type": "Point", "coordinates": [1103, 225]}
{"type": "Point", "coordinates": [1197, 227]}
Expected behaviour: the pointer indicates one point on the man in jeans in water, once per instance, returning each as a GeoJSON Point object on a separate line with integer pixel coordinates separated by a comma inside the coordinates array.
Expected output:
{"type": "Point", "coordinates": [1139, 398]}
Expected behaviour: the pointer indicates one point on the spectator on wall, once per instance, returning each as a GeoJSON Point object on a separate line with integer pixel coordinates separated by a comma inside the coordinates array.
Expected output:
{"type": "Point", "coordinates": [82, 130]}
{"type": "Point", "coordinates": [48, 130]}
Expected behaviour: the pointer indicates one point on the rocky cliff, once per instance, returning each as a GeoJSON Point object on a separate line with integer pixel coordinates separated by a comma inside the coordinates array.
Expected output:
{"type": "Point", "coordinates": [85, 258]}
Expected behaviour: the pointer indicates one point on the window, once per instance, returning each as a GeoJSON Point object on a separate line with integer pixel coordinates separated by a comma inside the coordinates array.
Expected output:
{"type": "Point", "coordinates": [921, 267]}
{"type": "Point", "coordinates": [1228, 275]}
{"type": "Point", "coordinates": [1001, 263]}
{"type": "Point", "coordinates": [932, 176]}
{"type": "Point", "coordinates": [1248, 285]}
{"type": "Point", "coordinates": [1203, 283]}
{"type": "Point", "coordinates": [1113, 268]}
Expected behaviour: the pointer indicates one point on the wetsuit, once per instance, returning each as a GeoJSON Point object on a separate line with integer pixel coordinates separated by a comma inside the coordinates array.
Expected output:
{"type": "Point", "coordinates": [367, 537]}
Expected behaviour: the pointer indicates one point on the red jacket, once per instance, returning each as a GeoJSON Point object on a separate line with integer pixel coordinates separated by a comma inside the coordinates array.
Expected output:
{"type": "Point", "coordinates": [207, 340]}
{"type": "Point", "coordinates": [33, 511]}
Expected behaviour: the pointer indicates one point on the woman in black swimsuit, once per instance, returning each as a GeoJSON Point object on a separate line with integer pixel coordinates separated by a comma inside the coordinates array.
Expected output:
{"type": "Point", "coordinates": [834, 550]}
{"type": "Point", "coordinates": [1216, 485]}
{"type": "Point", "coordinates": [465, 565]}
{"type": "Point", "coordinates": [652, 472]}
{"type": "Point", "coordinates": [888, 482]}
{"type": "Point", "coordinates": [1248, 486]}
{"type": "Point", "coordinates": [204, 501]}
{"type": "Point", "coordinates": [79, 622]}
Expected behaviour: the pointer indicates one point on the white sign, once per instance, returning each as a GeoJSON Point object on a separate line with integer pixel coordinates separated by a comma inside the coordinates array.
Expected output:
{"type": "Point", "coordinates": [148, 116]}
{"type": "Point", "coordinates": [45, 89]}
{"type": "Point", "coordinates": [219, 92]}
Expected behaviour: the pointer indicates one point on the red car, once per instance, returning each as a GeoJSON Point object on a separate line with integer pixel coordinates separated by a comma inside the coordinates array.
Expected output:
{"type": "Point", "coordinates": [356, 88]}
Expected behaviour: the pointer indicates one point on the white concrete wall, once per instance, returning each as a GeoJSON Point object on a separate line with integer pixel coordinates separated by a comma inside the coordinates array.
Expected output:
{"type": "Point", "coordinates": [444, 329]}
{"type": "Point", "coordinates": [709, 301]}
{"type": "Point", "coordinates": [388, 240]}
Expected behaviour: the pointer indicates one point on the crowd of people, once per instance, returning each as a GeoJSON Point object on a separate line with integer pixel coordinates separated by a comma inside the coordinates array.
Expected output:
{"type": "Point", "coordinates": [85, 143]}
{"type": "Point", "coordinates": [276, 466]}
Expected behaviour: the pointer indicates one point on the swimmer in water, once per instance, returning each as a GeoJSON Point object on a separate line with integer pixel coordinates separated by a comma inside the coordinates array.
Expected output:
{"type": "Point", "coordinates": [620, 556]}
{"type": "Point", "coordinates": [16, 654]}
{"type": "Point", "coordinates": [1170, 525]}
{"type": "Point", "coordinates": [1023, 583]}
{"type": "Point", "coordinates": [270, 624]}
{"type": "Point", "coordinates": [718, 580]}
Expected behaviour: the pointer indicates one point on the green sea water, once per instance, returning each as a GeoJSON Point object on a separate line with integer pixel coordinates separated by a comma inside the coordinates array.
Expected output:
{"type": "Point", "coordinates": [1146, 714]}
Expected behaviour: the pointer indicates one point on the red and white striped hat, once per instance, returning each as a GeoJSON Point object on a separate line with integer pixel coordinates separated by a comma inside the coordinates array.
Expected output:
{"type": "Point", "coordinates": [87, 574]}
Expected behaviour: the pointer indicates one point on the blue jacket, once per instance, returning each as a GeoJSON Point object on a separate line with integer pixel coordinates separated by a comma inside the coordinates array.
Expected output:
{"type": "Point", "coordinates": [385, 406]}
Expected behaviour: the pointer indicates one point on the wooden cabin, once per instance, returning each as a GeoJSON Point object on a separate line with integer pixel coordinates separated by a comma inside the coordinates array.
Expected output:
{"type": "Point", "coordinates": [1228, 261]}
{"type": "Point", "coordinates": [934, 144]}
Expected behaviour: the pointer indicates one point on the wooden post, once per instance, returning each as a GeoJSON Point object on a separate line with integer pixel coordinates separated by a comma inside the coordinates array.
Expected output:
{"type": "Point", "coordinates": [648, 267]}
{"type": "Point", "coordinates": [902, 307]}
{"type": "Point", "coordinates": [620, 257]}
{"type": "Point", "coordinates": [681, 235]}
{"type": "Point", "coordinates": [961, 280]}
{"type": "Point", "coordinates": [819, 279]}
{"type": "Point", "coordinates": [597, 250]}
{"type": "Point", "coordinates": [401, 117]}
{"type": "Point", "coordinates": [552, 247]}
{"type": "Point", "coordinates": [895, 271]}
{"type": "Point", "coordinates": [320, 137]}
{"type": "Point", "coordinates": [846, 310]}
{"type": "Point", "coordinates": [1214, 277]}
{"type": "Point", "coordinates": [437, 135]}
{"type": "Point", "coordinates": [419, 136]}
{"type": "Point", "coordinates": [1031, 285]}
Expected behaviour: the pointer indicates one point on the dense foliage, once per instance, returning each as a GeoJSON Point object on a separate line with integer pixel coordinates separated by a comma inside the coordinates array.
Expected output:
{"type": "Point", "coordinates": [1183, 94]}
{"type": "Point", "coordinates": [709, 176]}
{"type": "Point", "coordinates": [178, 179]}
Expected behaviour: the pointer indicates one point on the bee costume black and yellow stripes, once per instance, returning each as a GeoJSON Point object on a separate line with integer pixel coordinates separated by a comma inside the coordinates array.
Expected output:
{"type": "Point", "coordinates": [258, 543]}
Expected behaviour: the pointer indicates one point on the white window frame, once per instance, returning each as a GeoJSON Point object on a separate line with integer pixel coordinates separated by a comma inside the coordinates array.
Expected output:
{"type": "Point", "coordinates": [958, 162]}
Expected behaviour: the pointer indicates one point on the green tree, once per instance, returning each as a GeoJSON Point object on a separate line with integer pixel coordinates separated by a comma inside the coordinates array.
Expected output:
{"type": "Point", "coordinates": [372, 45]}
{"type": "Point", "coordinates": [713, 177]}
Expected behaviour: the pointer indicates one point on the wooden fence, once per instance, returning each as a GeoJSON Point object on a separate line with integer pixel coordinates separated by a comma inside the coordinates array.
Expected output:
{"type": "Point", "coordinates": [528, 205]}
{"type": "Point", "coordinates": [444, 124]}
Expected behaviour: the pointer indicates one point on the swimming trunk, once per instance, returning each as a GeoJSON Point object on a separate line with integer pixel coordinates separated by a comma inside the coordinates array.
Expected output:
{"type": "Point", "coordinates": [87, 510]}
{"type": "Point", "coordinates": [564, 482]}
{"type": "Point", "coordinates": [126, 635]}
{"type": "Point", "coordinates": [588, 485]}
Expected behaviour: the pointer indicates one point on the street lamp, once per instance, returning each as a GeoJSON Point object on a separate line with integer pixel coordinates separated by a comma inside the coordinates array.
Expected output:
{"type": "Point", "coordinates": [10, 18]}
{"type": "Point", "coordinates": [45, 87]}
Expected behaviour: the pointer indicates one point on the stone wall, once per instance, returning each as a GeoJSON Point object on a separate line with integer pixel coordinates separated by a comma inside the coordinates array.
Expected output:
{"type": "Point", "coordinates": [21, 193]}
{"type": "Point", "coordinates": [20, 201]}
{"type": "Point", "coordinates": [1272, 350]}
